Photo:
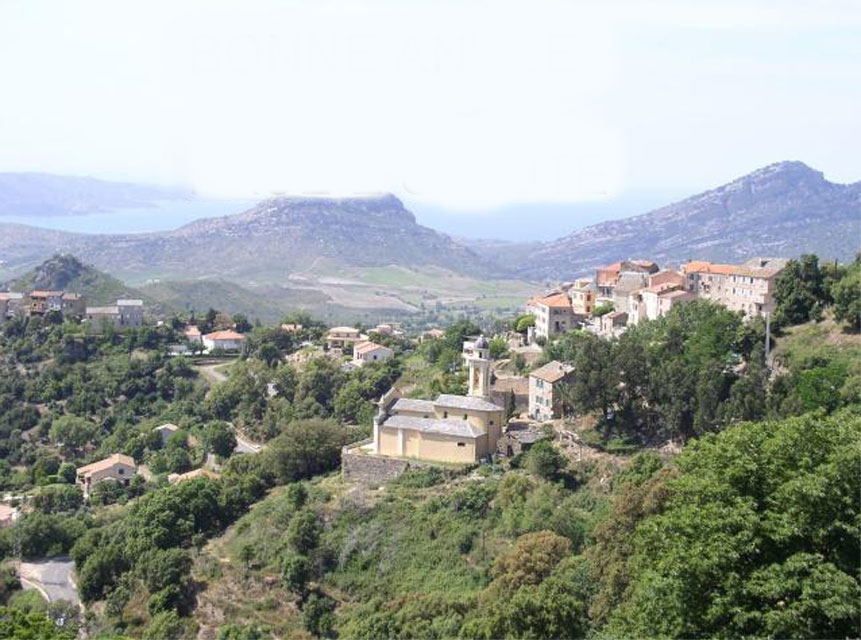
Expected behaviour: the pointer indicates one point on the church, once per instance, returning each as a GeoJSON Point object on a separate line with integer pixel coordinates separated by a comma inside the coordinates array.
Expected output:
{"type": "Point", "coordinates": [452, 428]}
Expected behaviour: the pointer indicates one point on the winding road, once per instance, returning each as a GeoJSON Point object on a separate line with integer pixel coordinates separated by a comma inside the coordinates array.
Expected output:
{"type": "Point", "coordinates": [52, 578]}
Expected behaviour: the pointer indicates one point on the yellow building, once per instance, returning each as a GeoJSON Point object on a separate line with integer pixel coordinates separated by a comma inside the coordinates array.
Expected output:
{"type": "Point", "coordinates": [452, 428]}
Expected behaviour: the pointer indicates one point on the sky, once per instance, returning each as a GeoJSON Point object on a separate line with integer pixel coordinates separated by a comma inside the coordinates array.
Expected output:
{"type": "Point", "coordinates": [472, 109]}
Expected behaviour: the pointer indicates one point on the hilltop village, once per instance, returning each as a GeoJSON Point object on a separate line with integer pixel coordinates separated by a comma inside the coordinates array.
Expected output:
{"type": "Point", "coordinates": [280, 476]}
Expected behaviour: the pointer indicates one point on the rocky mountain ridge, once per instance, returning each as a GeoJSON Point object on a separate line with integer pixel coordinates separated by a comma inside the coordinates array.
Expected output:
{"type": "Point", "coordinates": [784, 209]}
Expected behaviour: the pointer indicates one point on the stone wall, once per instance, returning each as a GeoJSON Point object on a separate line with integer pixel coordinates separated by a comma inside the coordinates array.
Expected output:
{"type": "Point", "coordinates": [371, 470]}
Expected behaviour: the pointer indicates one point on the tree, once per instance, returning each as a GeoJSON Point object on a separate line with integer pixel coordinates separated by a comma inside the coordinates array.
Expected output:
{"type": "Point", "coordinates": [522, 323]}
{"type": "Point", "coordinates": [218, 438]}
{"type": "Point", "coordinates": [533, 557]}
{"type": "Point", "coordinates": [294, 572]}
{"type": "Point", "coordinates": [31, 626]}
{"type": "Point", "coordinates": [498, 348]}
{"type": "Point", "coordinates": [72, 433]}
{"type": "Point", "coordinates": [756, 536]}
{"type": "Point", "coordinates": [800, 292]}
{"type": "Point", "coordinates": [318, 615]}
{"type": "Point", "coordinates": [847, 296]}
{"type": "Point", "coordinates": [596, 378]}
{"type": "Point", "coordinates": [544, 460]}
{"type": "Point", "coordinates": [241, 324]}
{"type": "Point", "coordinates": [304, 530]}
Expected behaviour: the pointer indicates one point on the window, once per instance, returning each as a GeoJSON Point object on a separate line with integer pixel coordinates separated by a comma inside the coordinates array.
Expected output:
{"type": "Point", "coordinates": [491, 423]}
{"type": "Point", "coordinates": [464, 416]}
{"type": "Point", "coordinates": [121, 471]}
{"type": "Point", "coordinates": [461, 444]}
{"type": "Point", "coordinates": [445, 414]}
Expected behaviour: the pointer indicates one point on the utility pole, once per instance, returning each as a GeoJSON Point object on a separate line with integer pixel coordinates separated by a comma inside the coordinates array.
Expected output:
{"type": "Point", "coordinates": [767, 334]}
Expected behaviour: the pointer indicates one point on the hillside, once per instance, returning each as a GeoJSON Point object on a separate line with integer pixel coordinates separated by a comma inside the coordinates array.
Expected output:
{"type": "Point", "coordinates": [42, 194]}
{"type": "Point", "coordinates": [784, 209]}
{"type": "Point", "coordinates": [66, 272]}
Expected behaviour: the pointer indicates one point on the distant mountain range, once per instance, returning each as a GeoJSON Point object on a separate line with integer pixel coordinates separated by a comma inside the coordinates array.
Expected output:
{"type": "Point", "coordinates": [370, 253]}
{"type": "Point", "coordinates": [44, 194]}
{"type": "Point", "coordinates": [783, 210]}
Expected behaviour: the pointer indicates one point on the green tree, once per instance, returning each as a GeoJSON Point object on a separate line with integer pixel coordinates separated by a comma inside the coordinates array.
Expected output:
{"type": "Point", "coordinates": [800, 291]}
{"type": "Point", "coordinates": [72, 433]}
{"type": "Point", "coordinates": [218, 438]}
{"type": "Point", "coordinates": [544, 460]}
{"type": "Point", "coordinates": [847, 296]}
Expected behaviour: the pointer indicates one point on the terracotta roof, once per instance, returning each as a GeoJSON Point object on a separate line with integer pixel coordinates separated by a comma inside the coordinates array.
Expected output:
{"type": "Point", "coordinates": [192, 331]}
{"type": "Point", "coordinates": [224, 335]}
{"type": "Point", "coordinates": [702, 266]}
{"type": "Point", "coordinates": [554, 300]}
{"type": "Point", "coordinates": [663, 287]}
{"type": "Point", "coordinates": [608, 274]}
{"type": "Point", "coordinates": [364, 347]}
{"type": "Point", "coordinates": [552, 371]}
{"type": "Point", "coordinates": [343, 330]}
{"type": "Point", "coordinates": [679, 293]}
{"type": "Point", "coordinates": [44, 294]}
{"type": "Point", "coordinates": [107, 463]}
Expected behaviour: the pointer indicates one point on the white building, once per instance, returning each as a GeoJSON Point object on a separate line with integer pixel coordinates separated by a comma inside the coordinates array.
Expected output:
{"type": "Point", "coordinates": [370, 352]}
{"type": "Point", "coordinates": [227, 340]}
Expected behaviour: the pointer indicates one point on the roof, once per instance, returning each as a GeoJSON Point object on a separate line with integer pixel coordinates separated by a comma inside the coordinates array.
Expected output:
{"type": "Point", "coordinates": [703, 266]}
{"type": "Point", "coordinates": [227, 334]}
{"type": "Point", "coordinates": [343, 330]}
{"type": "Point", "coordinates": [71, 296]}
{"type": "Point", "coordinates": [761, 267]}
{"type": "Point", "coordinates": [465, 402]}
{"type": "Point", "coordinates": [112, 311]}
{"type": "Point", "coordinates": [445, 426]}
{"type": "Point", "coordinates": [663, 287]}
{"type": "Point", "coordinates": [129, 303]}
{"type": "Point", "coordinates": [413, 404]}
{"type": "Point", "coordinates": [44, 294]}
{"type": "Point", "coordinates": [554, 300]}
{"type": "Point", "coordinates": [192, 331]}
{"type": "Point", "coordinates": [167, 427]}
{"type": "Point", "coordinates": [107, 463]}
{"type": "Point", "coordinates": [678, 293]}
{"type": "Point", "coordinates": [504, 385]}
{"type": "Point", "coordinates": [629, 282]}
{"type": "Point", "coordinates": [553, 371]}
{"type": "Point", "coordinates": [365, 347]}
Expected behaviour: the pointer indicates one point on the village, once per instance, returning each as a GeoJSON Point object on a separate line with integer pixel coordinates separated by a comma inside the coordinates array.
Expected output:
{"type": "Point", "coordinates": [503, 412]}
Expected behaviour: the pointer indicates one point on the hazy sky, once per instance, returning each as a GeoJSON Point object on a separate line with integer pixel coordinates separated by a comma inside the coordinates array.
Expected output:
{"type": "Point", "coordinates": [461, 105]}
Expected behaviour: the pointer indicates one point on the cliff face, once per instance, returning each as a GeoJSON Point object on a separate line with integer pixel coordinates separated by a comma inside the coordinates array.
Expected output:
{"type": "Point", "coordinates": [784, 209]}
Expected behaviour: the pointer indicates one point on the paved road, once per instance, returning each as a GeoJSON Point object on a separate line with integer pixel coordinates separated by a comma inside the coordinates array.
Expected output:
{"type": "Point", "coordinates": [52, 578]}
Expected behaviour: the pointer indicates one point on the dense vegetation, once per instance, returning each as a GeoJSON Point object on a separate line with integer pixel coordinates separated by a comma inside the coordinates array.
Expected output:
{"type": "Point", "coordinates": [751, 531]}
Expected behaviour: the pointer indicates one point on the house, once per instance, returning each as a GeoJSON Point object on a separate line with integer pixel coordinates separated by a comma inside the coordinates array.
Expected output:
{"type": "Point", "coordinates": [118, 467]}
{"type": "Point", "coordinates": [370, 352]}
{"type": "Point", "coordinates": [502, 388]}
{"type": "Point", "coordinates": [344, 337]}
{"type": "Point", "coordinates": [609, 277]}
{"type": "Point", "coordinates": [174, 478]}
{"type": "Point", "coordinates": [227, 340]}
{"type": "Point", "coordinates": [748, 287]}
{"type": "Point", "coordinates": [193, 335]}
{"type": "Point", "coordinates": [553, 315]}
{"type": "Point", "coordinates": [125, 314]}
{"type": "Point", "coordinates": [72, 304]}
{"type": "Point", "coordinates": [4, 307]}
{"type": "Point", "coordinates": [41, 302]}
{"type": "Point", "coordinates": [583, 294]}
{"type": "Point", "coordinates": [291, 327]}
{"type": "Point", "coordinates": [519, 438]}
{"type": "Point", "coordinates": [545, 397]}
{"type": "Point", "coordinates": [166, 432]}
{"type": "Point", "coordinates": [431, 334]}
{"type": "Point", "coordinates": [451, 428]}
{"type": "Point", "coordinates": [613, 324]}
{"type": "Point", "coordinates": [16, 304]}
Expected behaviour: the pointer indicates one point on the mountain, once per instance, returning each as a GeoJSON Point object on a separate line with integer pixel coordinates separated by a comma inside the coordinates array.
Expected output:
{"type": "Point", "coordinates": [66, 272]}
{"type": "Point", "coordinates": [784, 209]}
{"type": "Point", "coordinates": [42, 194]}
{"type": "Point", "coordinates": [272, 241]}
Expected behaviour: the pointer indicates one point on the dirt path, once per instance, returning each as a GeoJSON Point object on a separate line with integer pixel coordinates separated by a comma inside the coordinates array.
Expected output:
{"type": "Point", "coordinates": [211, 373]}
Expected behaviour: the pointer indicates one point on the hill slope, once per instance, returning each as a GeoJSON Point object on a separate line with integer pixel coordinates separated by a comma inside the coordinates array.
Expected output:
{"type": "Point", "coordinates": [66, 272]}
{"type": "Point", "coordinates": [784, 209]}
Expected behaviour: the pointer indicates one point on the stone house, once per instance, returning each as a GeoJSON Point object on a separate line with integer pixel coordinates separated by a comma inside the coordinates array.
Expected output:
{"type": "Point", "coordinates": [166, 432]}
{"type": "Point", "coordinates": [748, 287]}
{"type": "Point", "coordinates": [118, 467]}
{"type": "Point", "coordinates": [545, 398]}
{"type": "Point", "coordinates": [125, 314]}
{"type": "Point", "coordinates": [583, 294]}
{"type": "Point", "coordinates": [553, 315]}
{"type": "Point", "coordinates": [344, 337]}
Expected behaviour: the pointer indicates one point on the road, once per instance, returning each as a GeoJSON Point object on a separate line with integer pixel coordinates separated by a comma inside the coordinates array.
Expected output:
{"type": "Point", "coordinates": [52, 578]}
{"type": "Point", "coordinates": [211, 372]}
